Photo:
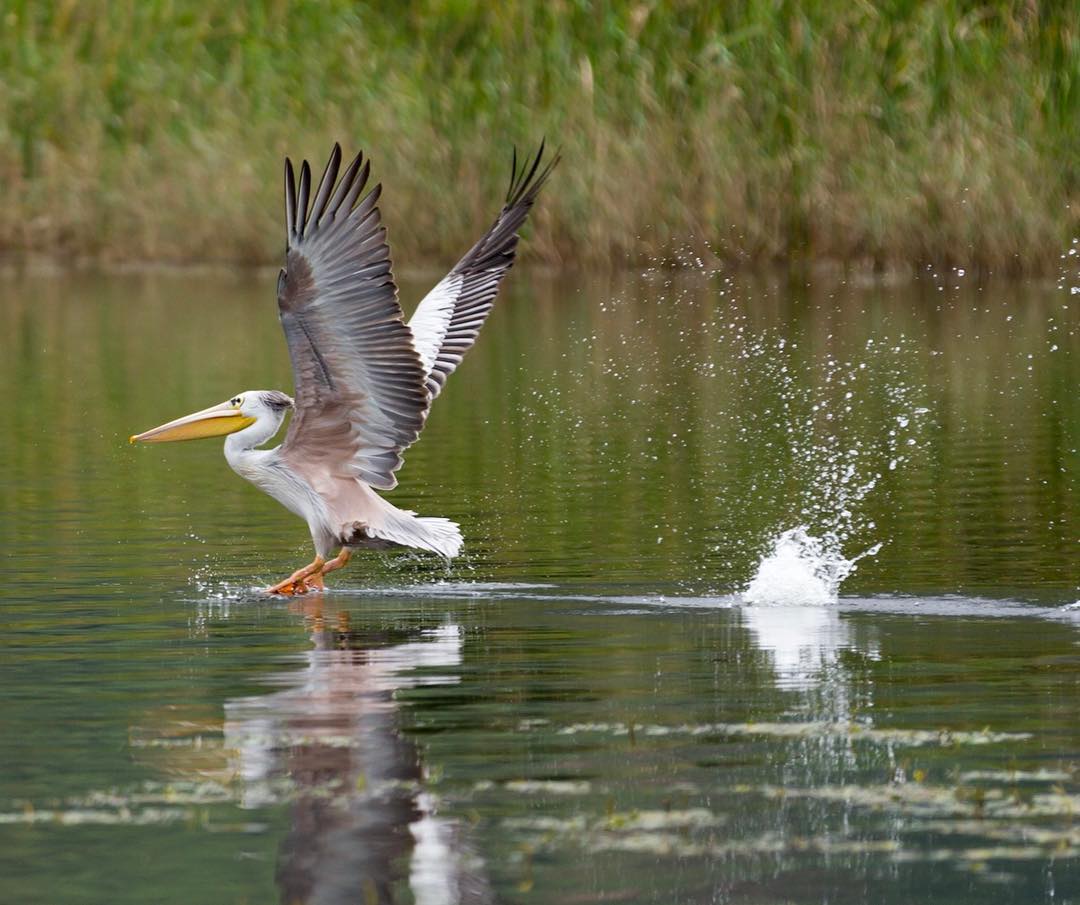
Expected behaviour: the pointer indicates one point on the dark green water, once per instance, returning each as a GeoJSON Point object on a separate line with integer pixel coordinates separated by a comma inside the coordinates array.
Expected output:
{"type": "Point", "coordinates": [584, 708]}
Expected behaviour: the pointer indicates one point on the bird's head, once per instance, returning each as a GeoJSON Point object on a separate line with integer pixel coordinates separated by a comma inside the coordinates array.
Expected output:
{"type": "Point", "coordinates": [266, 408]}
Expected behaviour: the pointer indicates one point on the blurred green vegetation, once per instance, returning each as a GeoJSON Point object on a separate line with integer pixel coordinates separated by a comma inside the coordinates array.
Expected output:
{"type": "Point", "coordinates": [888, 133]}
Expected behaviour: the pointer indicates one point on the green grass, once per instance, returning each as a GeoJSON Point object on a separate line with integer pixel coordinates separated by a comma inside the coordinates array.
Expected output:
{"type": "Point", "coordinates": [898, 133]}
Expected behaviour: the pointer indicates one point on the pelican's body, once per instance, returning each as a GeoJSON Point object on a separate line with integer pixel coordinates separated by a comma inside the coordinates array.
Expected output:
{"type": "Point", "coordinates": [365, 379]}
{"type": "Point", "coordinates": [340, 510]}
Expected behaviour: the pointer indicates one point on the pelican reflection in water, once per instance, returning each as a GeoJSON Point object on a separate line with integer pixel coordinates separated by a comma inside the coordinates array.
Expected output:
{"type": "Point", "coordinates": [365, 379]}
{"type": "Point", "coordinates": [362, 828]}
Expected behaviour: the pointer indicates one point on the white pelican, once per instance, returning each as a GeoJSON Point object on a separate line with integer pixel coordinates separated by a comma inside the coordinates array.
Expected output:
{"type": "Point", "coordinates": [365, 379]}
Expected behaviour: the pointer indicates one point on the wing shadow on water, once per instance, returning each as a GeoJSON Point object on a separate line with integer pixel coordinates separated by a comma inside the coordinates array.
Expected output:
{"type": "Point", "coordinates": [329, 745]}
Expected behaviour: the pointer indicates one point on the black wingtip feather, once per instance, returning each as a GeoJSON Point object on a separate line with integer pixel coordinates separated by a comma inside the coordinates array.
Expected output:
{"type": "Point", "coordinates": [513, 176]}
{"type": "Point", "coordinates": [344, 184]}
{"type": "Point", "coordinates": [302, 198]}
{"type": "Point", "coordinates": [348, 200]}
{"type": "Point", "coordinates": [332, 194]}
{"type": "Point", "coordinates": [326, 185]}
{"type": "Point", "coordinates": [524, 182]}
{"type": "Point", "coordinates": [290, 203]}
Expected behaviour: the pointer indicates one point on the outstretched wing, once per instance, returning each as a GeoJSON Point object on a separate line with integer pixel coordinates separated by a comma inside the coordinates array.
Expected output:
{"type": "Point", "coordinates": [447, 321]}
{"type": "Point", "coordinates": [360, 394]}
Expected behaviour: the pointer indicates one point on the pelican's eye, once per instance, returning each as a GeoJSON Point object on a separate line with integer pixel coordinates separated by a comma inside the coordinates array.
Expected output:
{"type": "Point", "coordinates": [237, 401]}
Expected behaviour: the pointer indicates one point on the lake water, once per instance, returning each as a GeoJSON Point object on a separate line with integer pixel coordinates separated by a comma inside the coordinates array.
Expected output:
{"type": "Point", "coordinates": [636, 685]}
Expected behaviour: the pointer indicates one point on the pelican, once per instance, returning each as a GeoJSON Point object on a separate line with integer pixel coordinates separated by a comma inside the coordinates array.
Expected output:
{"type": "Point", "coordinates": [364, 378]}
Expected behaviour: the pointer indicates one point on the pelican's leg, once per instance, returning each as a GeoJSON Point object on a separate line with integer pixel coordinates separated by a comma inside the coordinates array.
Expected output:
{"type": "Point", "coordinates": [337, 562]}
{"type": "Point", "coordinates": [297, 583]}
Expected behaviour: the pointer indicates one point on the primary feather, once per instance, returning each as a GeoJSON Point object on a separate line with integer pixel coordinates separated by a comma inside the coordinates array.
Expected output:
{"type": "Point", "coordinates": [360, 392]}
{"type": "Point", "coordinates": [447, 321]}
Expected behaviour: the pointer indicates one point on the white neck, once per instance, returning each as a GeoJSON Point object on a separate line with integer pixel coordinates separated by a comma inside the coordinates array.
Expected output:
{"type": "Point", "coordinates": [265, 426]}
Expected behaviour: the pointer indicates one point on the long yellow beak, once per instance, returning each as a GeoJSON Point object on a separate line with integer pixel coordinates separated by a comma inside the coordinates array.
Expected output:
{"type": "Point", "coordinates": [216, 421]}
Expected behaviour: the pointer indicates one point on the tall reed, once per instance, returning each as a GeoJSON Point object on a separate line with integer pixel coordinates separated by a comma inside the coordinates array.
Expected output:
{"type": "Point", "coordinates": [898, 132]}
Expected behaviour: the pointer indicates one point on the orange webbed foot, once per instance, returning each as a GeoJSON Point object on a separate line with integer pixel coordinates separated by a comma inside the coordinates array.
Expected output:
{"type": "Point", "coordinates": [301, 581]}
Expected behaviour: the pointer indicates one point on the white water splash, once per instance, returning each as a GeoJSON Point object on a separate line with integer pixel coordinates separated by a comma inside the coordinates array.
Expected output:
{"type": "Point", "coordinates": [843, 424]}
{"type": "Point", "coordinates": [781, 424]}
{"type": "Point", "coordinates": [802, 570]}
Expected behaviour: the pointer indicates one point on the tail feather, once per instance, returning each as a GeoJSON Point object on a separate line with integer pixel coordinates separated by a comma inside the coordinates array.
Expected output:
{"type": "Point", "coordinates": [439, 535]}
{"type": "Point", "coordinates": [357, 511]}
{"type": "Point", "coordinates": [445, 535]}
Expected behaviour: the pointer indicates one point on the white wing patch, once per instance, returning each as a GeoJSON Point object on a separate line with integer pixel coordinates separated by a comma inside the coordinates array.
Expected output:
{"type": "Point", "coordinates": [431, 319]}
{"type": "Point", "coordinates": [446, 323]}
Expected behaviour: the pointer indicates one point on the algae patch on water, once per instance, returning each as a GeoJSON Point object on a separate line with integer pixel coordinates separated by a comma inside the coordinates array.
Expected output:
{"type": "Point", "coordinates": [805, 730]}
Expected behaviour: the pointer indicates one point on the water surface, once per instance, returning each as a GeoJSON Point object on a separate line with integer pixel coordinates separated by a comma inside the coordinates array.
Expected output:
{"type": "Point", "coordinates": [583, 708]}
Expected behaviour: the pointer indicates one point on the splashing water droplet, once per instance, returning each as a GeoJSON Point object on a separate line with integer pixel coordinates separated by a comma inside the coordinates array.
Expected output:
{"type": "Point", "coordinates": [802, 570]}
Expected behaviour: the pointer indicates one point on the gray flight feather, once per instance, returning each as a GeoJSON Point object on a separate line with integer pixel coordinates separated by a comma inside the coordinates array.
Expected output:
{"type": "Point", "coordinates": [360, 391]}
